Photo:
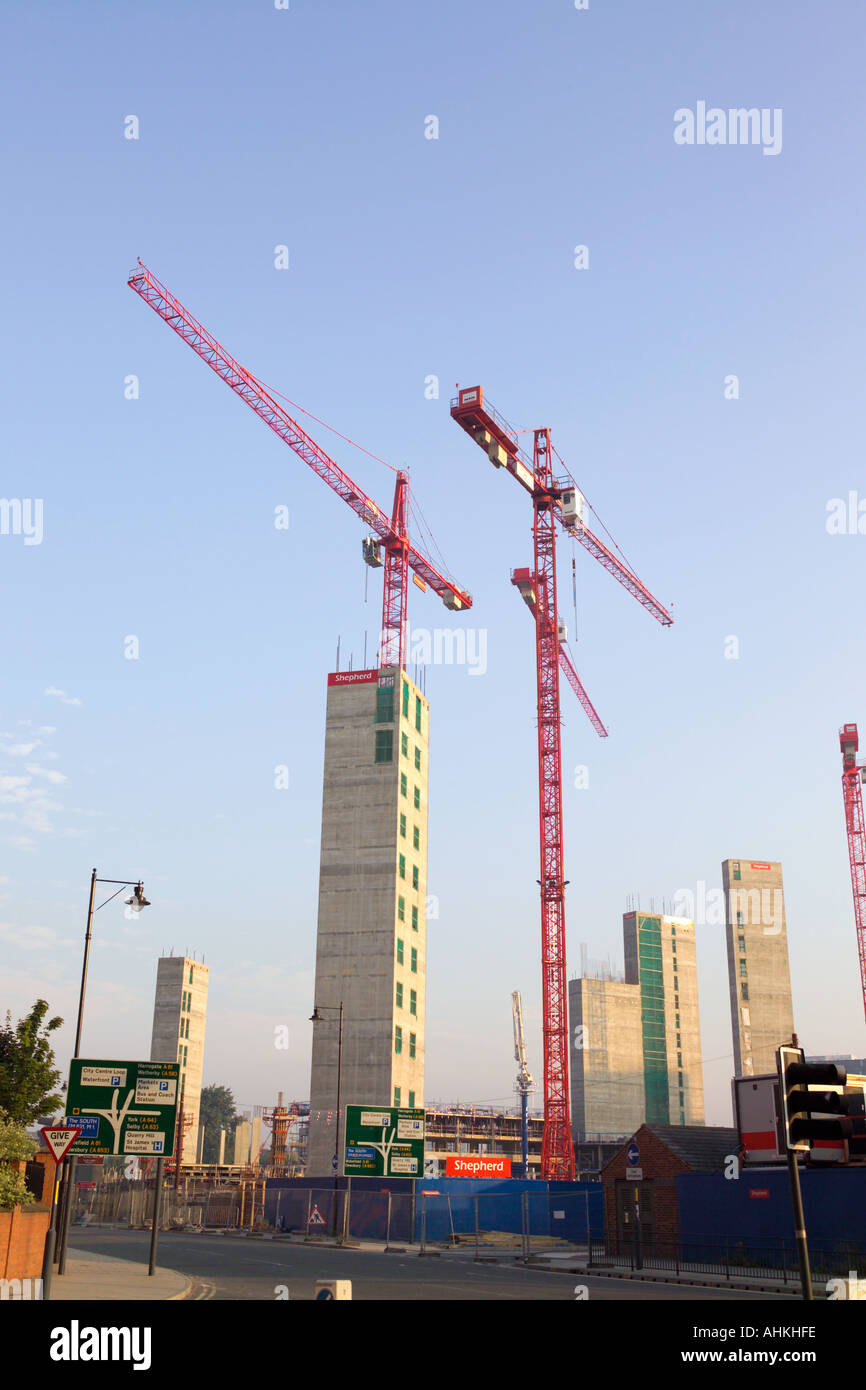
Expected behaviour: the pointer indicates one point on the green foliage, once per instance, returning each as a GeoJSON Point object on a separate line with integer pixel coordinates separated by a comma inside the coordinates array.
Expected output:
{"type": "Point", "coordinates": [15, 1142]}
{"type": "Point", "coordinates": [28, 1076]}
{"type": "Point", "coordinates": [216, 1112]}
{"type": "Point", "coordinates": [13, 1193]}
{"type": "Point", "coordinates": [15, 1146]}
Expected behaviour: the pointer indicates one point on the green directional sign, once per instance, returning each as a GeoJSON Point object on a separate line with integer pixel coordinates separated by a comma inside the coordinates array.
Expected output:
{"type": "Point", "coordinates": [123, 1107]}
{"type": "Point", "coordinates": [383, 1142]}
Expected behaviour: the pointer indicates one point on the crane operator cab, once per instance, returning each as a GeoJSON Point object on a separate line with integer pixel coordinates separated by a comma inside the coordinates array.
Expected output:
{"type": "Point", "coordinates": [573, 505]}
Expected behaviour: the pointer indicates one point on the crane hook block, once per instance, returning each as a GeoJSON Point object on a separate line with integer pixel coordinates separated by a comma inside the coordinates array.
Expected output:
{"type": "Point", "coordinates": [372, 552]}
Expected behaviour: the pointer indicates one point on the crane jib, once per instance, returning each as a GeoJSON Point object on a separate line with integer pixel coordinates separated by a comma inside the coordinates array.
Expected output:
{"type": "Point", "coordinates": [256, 396]}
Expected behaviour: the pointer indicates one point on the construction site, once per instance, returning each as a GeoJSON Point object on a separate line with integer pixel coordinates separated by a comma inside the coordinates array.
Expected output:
{"type": "Point", "coordinates": [370, 1021]}
{"type": "Point", "coordinates": [373, 870]}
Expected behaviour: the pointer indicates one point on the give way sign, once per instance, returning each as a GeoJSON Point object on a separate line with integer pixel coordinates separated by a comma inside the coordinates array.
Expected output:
{"type": "Point", "coordinates": [59, 1140]}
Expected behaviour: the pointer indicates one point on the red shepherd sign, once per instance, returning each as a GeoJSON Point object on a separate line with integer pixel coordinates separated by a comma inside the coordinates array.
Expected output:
{"type": "Point", "coordinates": [351, 677]}
{"type": "Point", "coordinates": [477, 1166]}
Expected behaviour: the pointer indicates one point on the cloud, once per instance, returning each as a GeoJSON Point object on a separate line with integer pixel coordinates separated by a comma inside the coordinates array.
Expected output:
{"type": "Point", "coordinates": [34, 804]}
{"type": "Point", "coordinates": [36, 771]}
{"type": "Point", "coordinates": [31, 938]}
{"type": "Point", "coordinates": [29, 792]}
{"type": "Point", "coordinates": [23, 842]}
{"type": "Point", "coordinates": [62, 695]}
{"type": "Point", "coordinates": [10, 787]}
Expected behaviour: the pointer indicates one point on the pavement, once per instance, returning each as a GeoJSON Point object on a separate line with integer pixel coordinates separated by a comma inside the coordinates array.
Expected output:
{"type": "Point", "coordinates": [101, 1278]}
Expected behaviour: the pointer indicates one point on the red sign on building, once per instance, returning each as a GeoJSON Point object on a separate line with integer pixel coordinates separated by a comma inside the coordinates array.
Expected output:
{"type": "Point", "coordinates": [476, 1166]}
{"type": "Point", "coordinates": [351, 677]}
{"type": "Point", "coordinates": [759, 1191]}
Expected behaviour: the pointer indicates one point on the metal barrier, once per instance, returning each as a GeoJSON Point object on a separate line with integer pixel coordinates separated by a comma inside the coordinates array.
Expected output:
{"type": "Point", "coordinates": [731, 1258]}
{"type": "Point", "coordinates": [130, 1204]}
{"type": "Point", "coordinates": [519, 1223]}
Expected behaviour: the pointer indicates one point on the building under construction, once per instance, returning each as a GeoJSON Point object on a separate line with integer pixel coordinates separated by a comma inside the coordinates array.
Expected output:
{"type": "Point", "coordinates": [368, 1040]}
{"type": "Point", "coordinates": [480, 1130]}
{"type": "Point", "coordinates": [179, 1020]}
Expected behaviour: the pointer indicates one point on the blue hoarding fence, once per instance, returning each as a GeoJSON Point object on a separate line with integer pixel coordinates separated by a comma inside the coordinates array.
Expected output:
{"type": "Point", "coordinates": [510, 1214]}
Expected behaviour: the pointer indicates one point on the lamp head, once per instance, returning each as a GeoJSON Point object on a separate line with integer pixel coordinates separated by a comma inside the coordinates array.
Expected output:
{"type": "Point", "coordinates": [138, 900]}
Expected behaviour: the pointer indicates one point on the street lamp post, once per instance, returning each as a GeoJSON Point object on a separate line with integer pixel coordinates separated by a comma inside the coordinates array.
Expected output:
{"type": "Point", "coordinates": [136, 902]}
{"type": "Point", "coordinates": [316, 1017]}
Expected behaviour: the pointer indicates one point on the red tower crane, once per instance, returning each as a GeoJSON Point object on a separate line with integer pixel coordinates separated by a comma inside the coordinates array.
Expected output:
{"type": "Point", "coordinates": [556, 500]}
{"type": "Point", "coordinates": [853, 776]}
{"type": "Point", "coordinates": [390, 532]}
{"type": "Point", "coordinates": [522, 580]}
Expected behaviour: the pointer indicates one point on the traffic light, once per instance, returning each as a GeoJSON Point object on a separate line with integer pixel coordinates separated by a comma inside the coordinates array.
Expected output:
{"type": "Point", "coordinates": [810, 1115]}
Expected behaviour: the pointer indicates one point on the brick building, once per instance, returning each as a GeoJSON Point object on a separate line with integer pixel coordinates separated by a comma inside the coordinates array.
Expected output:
{"type": "Point", "coordinates": [640, 1182]}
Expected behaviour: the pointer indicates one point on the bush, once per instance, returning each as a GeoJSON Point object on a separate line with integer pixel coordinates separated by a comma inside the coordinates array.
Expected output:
{"type": "Point", "coordinates": [13, 1191]}
{"type": "Point", "coordinates": [15, 1142]}
{"type": "Point", "coordinates": [15, 1146]}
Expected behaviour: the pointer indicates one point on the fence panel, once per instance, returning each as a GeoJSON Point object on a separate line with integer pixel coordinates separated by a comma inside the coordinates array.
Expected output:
{"type": "Point", "coordinates": [743, 1257]}
{"type": "Point", "coordinates": [398, 1229]}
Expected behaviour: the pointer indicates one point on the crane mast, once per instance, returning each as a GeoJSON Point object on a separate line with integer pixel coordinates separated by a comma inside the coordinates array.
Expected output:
{"type": "Point", "coordinates": [557, 1152]}
{"type": "Point", "coordinates": [522, 580]}
{"type": "Point", "coordinates": [556, 501]}
{"type": "Point", "coordinates": [524, 1084]}
{"type": "Point", "coordinates": [390, 532]}
{"type": "Point", "coordinates": [853, 776]}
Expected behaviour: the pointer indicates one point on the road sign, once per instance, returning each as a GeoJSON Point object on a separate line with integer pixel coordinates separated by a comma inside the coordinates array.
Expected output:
{"type": "Point", "coordinates": [632, 1155]}
{"type": "Point", "coordinates": [316, 1217]}
{"type": "Point", "coordinates": [134, 1105]}
{"type": "Point", "coordinates": [59, 1139]}
{"type": "Point", "coordinates": [88, 1124]}
{"type": "Point", "coordinates": [384, 1142]}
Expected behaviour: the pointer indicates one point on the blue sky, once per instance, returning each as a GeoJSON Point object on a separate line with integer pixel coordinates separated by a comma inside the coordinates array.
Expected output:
{"type": "Point", "coordinates": [411, 257]}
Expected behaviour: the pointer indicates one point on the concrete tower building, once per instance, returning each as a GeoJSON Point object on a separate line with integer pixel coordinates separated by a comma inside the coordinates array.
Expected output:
{"type": "Point", "coordinates": [372, 931]}
{"type": "Point", "coordinates": [636, 1043]}
{"type": "Point", "coordinates": [762, 1012]}
{"type": "Point", "coordinates": [660, 958]}
{"type": "Point", "coordinates": [179, 1019]}
{"type": "Point", "coordinates": [607, 1082]}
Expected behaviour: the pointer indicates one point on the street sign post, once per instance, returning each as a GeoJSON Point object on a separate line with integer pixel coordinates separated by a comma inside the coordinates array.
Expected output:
{"type": "Point", "coordinates": [123, 1107]}
{"type": "Point", "coordinates": [59, 1139]}
{"type": "Point", "coordinates": [384, 1142]}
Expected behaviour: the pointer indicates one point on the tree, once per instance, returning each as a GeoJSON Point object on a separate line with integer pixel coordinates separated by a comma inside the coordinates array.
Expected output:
{"type": "Point", "coordinates": [28, 1076]}
{"type": "Point", "coordinates": [216, 1112]}
{"type": "Point", "coordinates": [15, 1145]}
